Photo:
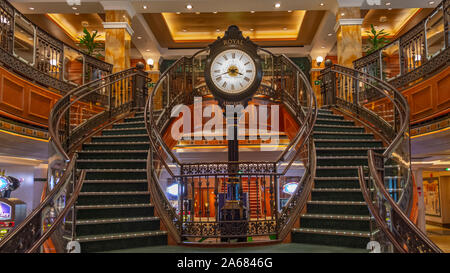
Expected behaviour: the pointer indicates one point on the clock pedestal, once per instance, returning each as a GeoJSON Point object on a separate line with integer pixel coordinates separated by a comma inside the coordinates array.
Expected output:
{"type": "Point", "coordinates": [233, 212]}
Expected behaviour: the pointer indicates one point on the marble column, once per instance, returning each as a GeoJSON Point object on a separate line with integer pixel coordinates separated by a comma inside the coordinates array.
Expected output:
{"type": "Point", "coordinates": [118, 39]}
{"type": "Point", "coordinates": [348, 33]}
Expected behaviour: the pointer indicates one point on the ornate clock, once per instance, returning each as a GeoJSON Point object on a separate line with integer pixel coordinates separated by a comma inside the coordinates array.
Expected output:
{"type": "Point", "coordinates": [233, 69]}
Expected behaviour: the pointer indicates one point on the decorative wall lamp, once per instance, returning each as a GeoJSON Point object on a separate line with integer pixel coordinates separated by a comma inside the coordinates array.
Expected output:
{"type": "Point", "coordinates": [319, 60]}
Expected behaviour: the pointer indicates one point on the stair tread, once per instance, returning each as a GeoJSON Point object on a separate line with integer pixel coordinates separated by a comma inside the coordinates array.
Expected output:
{"type": "Point", "coordinates": [346, 140]}
{"type": "Point", "coordinates": [356, 203]}
{"type": "Point", "coordinates": [333, 232]}
{"type": "Point", "coordinates": [111, 160]}
{"type": "Point", "coordinates": [115, 170]}
{"type": "Point", "coordinates": [124, 129]}
{"type": "Point", "coordinates": [113, 193]}
{"type": "Point", "coordinates": [338, 126]}
{"type": "Point", "coordinates": [113, 136]}
{"type": "Point", "coordinates": [112, 151]}
{"type": "Point", "coordinates": [114, 220]}
{"type": "Point", "coordinates": [337, 216]}
{"type": "Point", "coordinates": [340, 133]}
{"type": "Point", "coordinates": [347, 148]}
{"type": "Point", "coordinates": [117, 142]}
{"type": "Point", "coordinates": [114, 206]}
{"type": "Point", "coordinates": [106, 181]}
{"type": "Point", "coordinates": [336, 190]}
{"type": "Point", "coordinates": [113, 236]}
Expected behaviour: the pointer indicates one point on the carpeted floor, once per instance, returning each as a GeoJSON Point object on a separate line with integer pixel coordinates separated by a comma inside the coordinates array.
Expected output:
{"type": "Point", "coordinates": [278, 248]}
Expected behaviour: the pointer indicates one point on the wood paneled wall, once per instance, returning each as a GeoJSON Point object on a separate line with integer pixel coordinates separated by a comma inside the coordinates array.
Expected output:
{"type": "Point", "coordinates": [26, 102]}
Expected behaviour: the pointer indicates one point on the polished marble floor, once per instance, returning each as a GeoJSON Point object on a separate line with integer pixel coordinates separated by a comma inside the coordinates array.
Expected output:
{"type": "Point", "coordinates": [440, 236]}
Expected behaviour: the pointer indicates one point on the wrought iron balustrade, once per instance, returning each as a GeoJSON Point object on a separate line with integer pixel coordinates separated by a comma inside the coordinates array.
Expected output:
{"type": "Point", "coordinates": [283, 83]}
{"type": "Point", "coordinates": [416, 55]}
{"type": "Point", "coordinates": [380, 106]}
{"type": "Point", "coordinates": [31, 52]}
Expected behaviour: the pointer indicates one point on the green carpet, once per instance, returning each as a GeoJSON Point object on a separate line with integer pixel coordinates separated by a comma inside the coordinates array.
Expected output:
{"type": "Point", "coordinates": [278, 248]}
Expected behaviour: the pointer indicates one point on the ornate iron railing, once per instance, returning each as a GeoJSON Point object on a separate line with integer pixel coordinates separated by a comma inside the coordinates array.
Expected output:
{"type": "Point", "coordinates": [283, 83]}
{"type": "Point", "coordinates": [416, 55]}
{"type": "Point", "coordinates": [33, 53]}
{"type": "Point", "coordinates": [387, 113]}
{"type": "Point", "coordinates": [117, 95]}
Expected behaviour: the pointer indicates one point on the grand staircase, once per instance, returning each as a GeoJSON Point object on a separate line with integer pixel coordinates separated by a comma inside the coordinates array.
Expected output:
{"type": "Point", "coordinates": [114, 209]}
{"type": "Point", "coordinates": [337, 214]}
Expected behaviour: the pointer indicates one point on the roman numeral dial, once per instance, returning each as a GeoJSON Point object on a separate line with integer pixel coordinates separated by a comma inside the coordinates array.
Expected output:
{"type": "Point", "coordinates": [233, 71]}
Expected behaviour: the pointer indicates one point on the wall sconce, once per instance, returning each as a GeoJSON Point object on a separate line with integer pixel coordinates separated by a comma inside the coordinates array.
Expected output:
{"type": "Point", "coordinates": [150, 62]}
{"type": "Point", "coordinates": [319, 60]}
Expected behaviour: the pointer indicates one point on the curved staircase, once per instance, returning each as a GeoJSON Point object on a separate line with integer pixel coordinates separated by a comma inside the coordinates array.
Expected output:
{"type": "Point", "coordinates": [114, 209]}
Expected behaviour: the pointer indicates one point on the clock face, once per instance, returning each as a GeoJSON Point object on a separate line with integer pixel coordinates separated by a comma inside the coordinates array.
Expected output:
{"type": "Point", "coordinates": [233, 71]}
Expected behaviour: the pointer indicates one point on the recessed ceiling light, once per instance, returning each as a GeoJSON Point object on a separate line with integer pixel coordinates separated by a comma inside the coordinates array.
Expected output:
{"type": "Point", "coordinates": [252, 11]}
{"type": "Point", "coordinates": [322, 47]}
{"type": "Point", "coordinates": [197, 12]}
{"type": "Point", "coordinates": [74, 8]}
{"type": "Point", "coordinates": [145, 7]}
{"type": "Point", "coordinates": [77, 13]}
{"type": "Point", "coordinates": [215, 12]}
{"type": "Point", "coordinates": [388, 3]}
{"type": "Point", "coordinates": [330, 34]}
{"type": "Point", "coordinates": [217, 30]}
{"type": "Point", "coordinates": [139, 37]}
{"type": "Point", "coordinates": [342, 14]}
{"type": "Point", "coordinates": [189, 6]}
{"type": "Point", "coordinates": [322, 4]}
{"type": "Point", "coordinates": [31, 8]}
{"type": "Point", "coordinates": [431, 2]}
{"type": "Point", "coordinates": [284, 28]}
{"type": "Point", "coordinates": [389, 8]}
{"type": "Point", "coordinates": [252, 29]}
{"type": "Point", "coordinates": [289, 10]}
{"type": "Point", "coordinates": [178, 12]}
{"type": "Point", "coordinates": [184, 30]}
{"type": "Point", "coordinates": [277, 5]}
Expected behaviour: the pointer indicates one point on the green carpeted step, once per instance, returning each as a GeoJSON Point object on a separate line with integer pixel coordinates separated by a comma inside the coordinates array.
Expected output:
{"type": "Point", "coordinates": [112, 163]}
{"type": "Point", "coordinates": [115, 241]}
{"type": "Point", "coordinates": [368, 143]}
{"type": "Point", "coordinates": [322, 115]}
{"type": "Point", "coordinates": [120, 138]}
{"type": "Point", "coordinates": [114, 185]}
{"type": "Point", "coordinates": [337, 194]}
{"type": "Point", "coordinates": [125, 131]}
{"type": "Point", "coordinates": [337, 207]}
{"type": "Point", "coordinates": [336, 182]}
{"type": "Point", "coordinates": [344, 238]}
{"type": "Point", "coordinates": [342, 135]}
{"type": "Point", "coordinates": [342, 161]}
{"type": "Point", "coordinates": [115, 225]}
{"type": "Point", "coordinates": [107, 198]}
{"type": "Point", "coordinates": [336, 171]}
{"type": "Point", "coordinates": [115, 174]}
{"type": "Point", "coordinates": [116, 146]}
{"type": "Point", "coordinates": [333, 221]}
{"type": "Point", "coordinates": [334, 122]}
{"type": "Point", "coordinates": [113, 154]}
{"type": "Point", "coordinates": [114, 211]}
{"type": "Point", "coordinates": [345, 151]}
{"type": "Point", "coordinates": [134, 119]}
{"type": "Point", "coordinates": [337, 128]}
{"type": "Point", "coordinates": [138, 124]}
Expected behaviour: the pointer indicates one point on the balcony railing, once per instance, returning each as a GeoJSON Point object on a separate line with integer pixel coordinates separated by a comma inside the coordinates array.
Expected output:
{"type": "Point", "coordinates": [414, 56]}
{"type": "Point", "coordinates": [31, 52]}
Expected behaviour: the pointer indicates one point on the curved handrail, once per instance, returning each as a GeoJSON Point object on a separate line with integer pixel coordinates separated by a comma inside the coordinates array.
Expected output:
{"type": "Point", "coordinates": [348, 87]}
{"type": "Point", "coordinates": [161, 152]}
{"type": "Point", "coordinates": [411, 237]}
{"type": "Point", "coordinates": [24, 236]}
{"type": "Point", "coordinates": [61, 216]}
{"type": "Point", "coordinates": [63, 105]}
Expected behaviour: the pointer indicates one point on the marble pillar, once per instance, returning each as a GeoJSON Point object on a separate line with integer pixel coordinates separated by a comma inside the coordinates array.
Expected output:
{"type": "Point", "coordinates": [118, 39]}
{"type": "Point", "coordinates": [349, 37]}
{"type": "Point", "coordinates": [418, 177]}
